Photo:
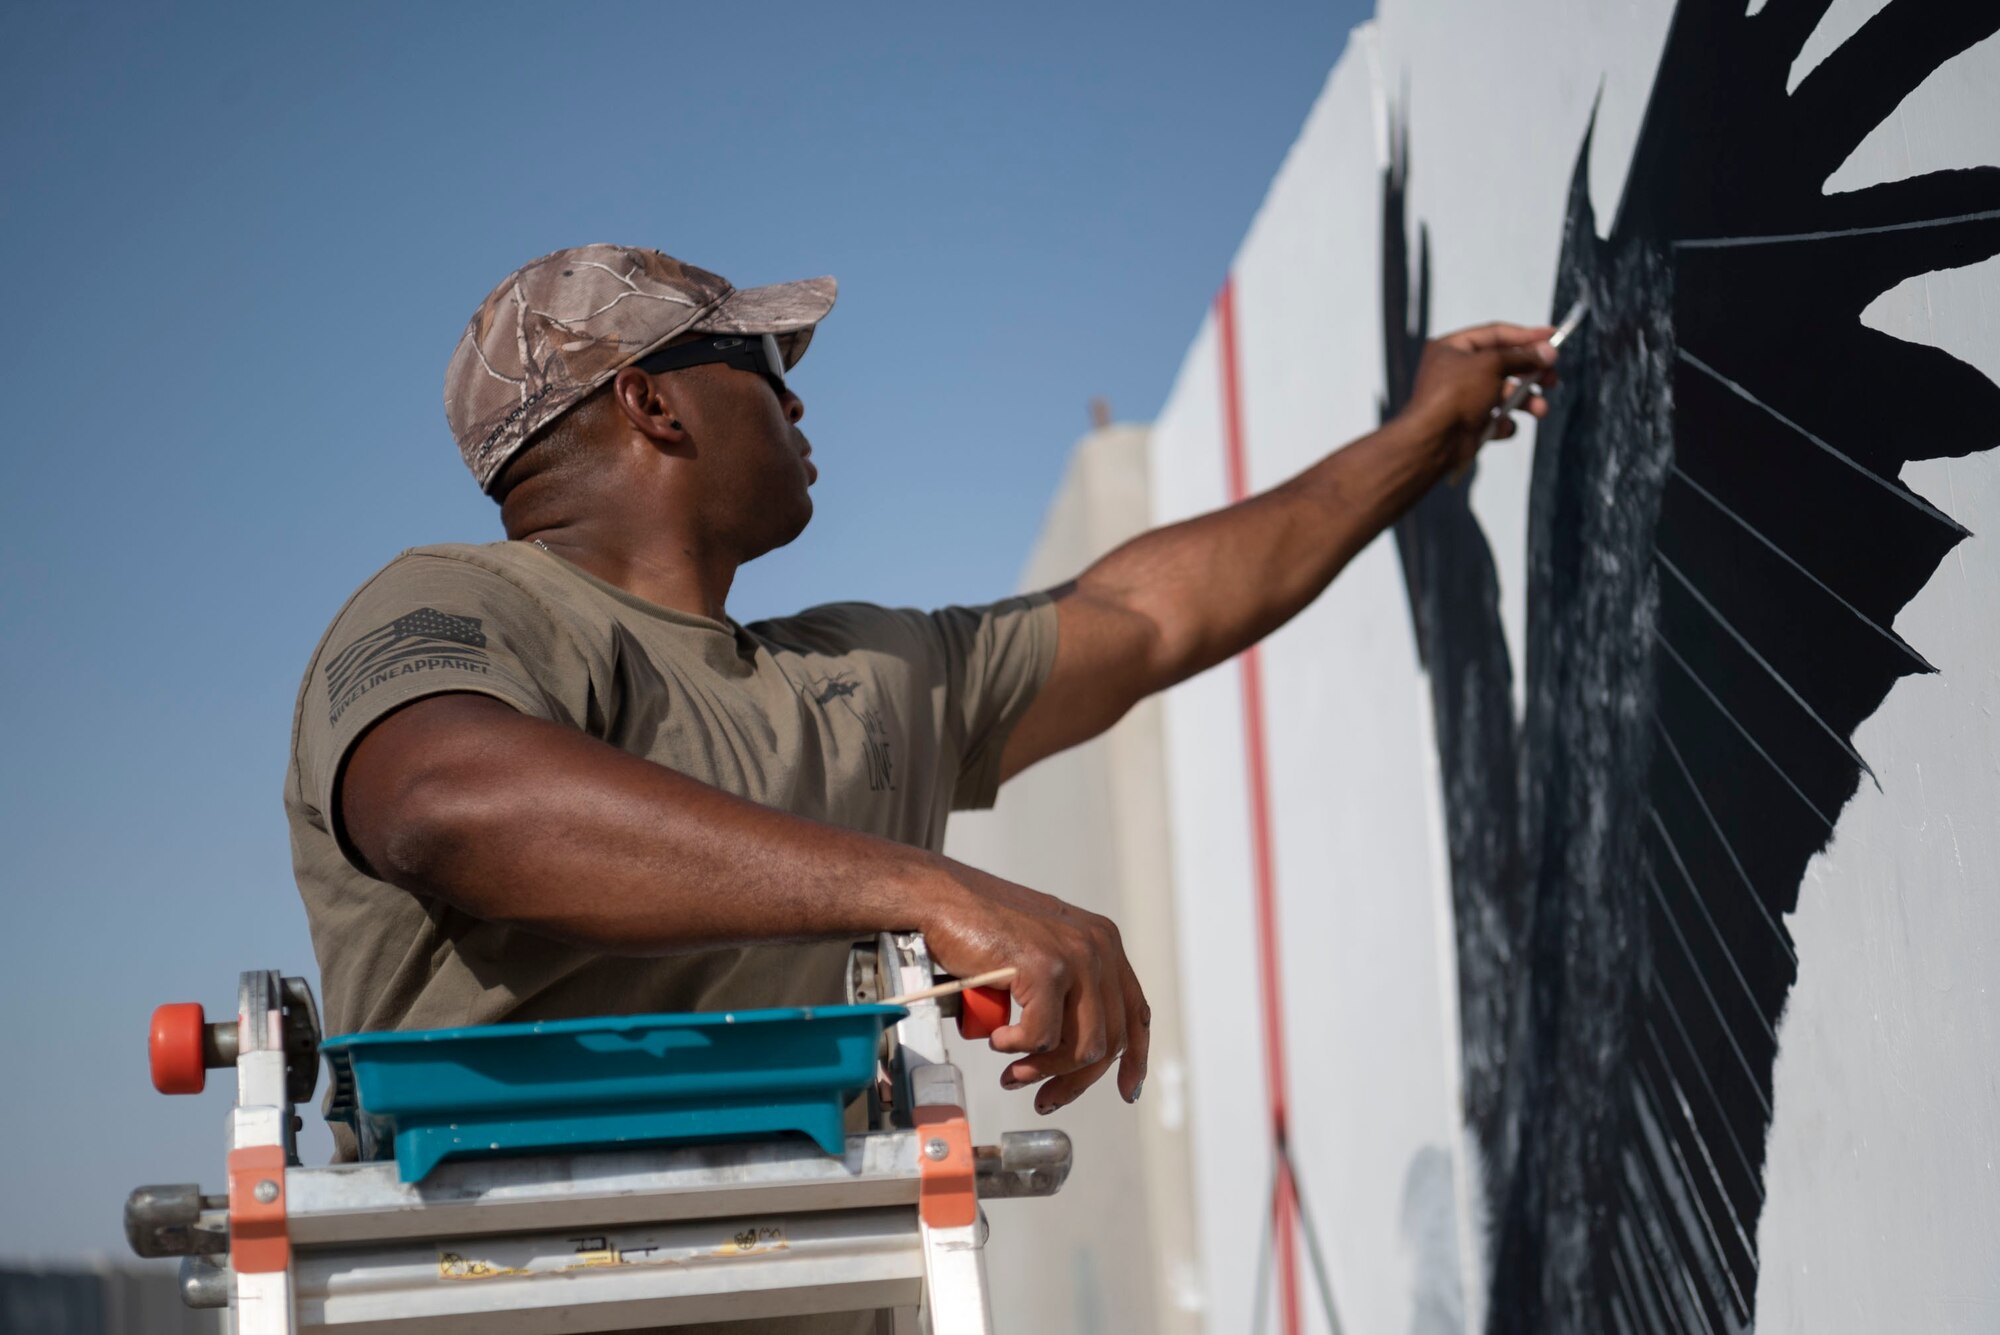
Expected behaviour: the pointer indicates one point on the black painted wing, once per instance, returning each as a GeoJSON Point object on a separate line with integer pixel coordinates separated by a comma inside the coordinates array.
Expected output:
{"type": "Point", "coordinates": [1719, 544]}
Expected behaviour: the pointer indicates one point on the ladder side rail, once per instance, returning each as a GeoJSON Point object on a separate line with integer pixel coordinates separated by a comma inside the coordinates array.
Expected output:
{"type": "Point", "coordinates": [957, 1300]}
{"type": "Point", "coordinates": [260, 1148]}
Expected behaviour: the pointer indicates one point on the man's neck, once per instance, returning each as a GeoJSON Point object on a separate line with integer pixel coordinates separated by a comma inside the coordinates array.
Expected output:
{"type": "Point", "coordinates": [664, 569]}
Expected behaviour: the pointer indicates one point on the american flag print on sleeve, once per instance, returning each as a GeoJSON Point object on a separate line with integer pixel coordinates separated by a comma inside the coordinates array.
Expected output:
{"type": "Point", "coordinates": [423, 640]}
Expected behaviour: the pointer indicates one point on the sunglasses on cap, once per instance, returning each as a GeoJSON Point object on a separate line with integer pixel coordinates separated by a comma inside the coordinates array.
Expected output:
{"type": "Point", "coordinates": [746, 352]}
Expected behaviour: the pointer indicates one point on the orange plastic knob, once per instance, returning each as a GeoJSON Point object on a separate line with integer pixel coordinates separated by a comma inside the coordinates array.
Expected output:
{"type": "Point", "coordinates": [176, 1048]}
{"type": "Point", "coordinates": [981, 1010]}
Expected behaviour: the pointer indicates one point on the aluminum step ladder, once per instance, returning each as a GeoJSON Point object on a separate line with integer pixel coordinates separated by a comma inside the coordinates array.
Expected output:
{"type": "Point", "coordinates": [605, 1240]}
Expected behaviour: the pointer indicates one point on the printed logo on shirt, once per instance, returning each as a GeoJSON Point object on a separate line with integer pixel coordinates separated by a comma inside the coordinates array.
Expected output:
{"type": "Point", "coordinates": [842, 691]}
{"type": "Point", "coordinates": [426, 640]}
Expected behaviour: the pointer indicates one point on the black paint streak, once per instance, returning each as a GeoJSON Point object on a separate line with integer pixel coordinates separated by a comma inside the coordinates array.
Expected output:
{"type": "Point", "coordinates": [1718, 546]}
{"type": "Point", "coordinates": [1455, 607]}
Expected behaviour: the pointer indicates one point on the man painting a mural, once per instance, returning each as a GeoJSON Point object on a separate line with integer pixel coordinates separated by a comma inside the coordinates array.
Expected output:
{"type": "Point", "coordinates": [550, 777]}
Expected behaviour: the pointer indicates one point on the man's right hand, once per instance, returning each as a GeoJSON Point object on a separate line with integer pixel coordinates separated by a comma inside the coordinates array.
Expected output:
{"type": "Point", "coordinates": [1081, 1005]}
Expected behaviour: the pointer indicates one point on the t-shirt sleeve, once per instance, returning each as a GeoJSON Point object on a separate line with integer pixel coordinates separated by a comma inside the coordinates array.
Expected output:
{"type": "Point", "coordinates": [429, 625]}
{"type": "Point", "coordinates": [995, 660]}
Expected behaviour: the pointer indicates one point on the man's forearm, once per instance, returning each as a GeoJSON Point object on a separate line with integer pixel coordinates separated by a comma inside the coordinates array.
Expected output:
{"type": "Point", "coordinates": [520, 821]}
{"type": "Point", "coordinates": [1180, 599]}
{"type": "Point", "coordinates": [604, 849]}
{"type": "Point", "coordinates": [1214, 585]}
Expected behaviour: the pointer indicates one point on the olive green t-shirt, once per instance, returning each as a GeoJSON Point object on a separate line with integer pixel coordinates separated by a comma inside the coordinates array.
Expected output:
{"type": "Point", "coordinates": [874, 719]}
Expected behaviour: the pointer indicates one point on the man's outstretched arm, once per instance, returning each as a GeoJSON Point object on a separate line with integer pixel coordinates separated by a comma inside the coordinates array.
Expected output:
{"type": "Point", "coordinates": [521, 821]}
{"type": "Point", "coordinates": [1180, 599]}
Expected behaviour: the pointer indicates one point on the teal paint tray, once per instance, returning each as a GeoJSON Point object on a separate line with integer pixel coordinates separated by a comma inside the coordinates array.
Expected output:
{"type": "Point", "coordinates": [427, 1095]}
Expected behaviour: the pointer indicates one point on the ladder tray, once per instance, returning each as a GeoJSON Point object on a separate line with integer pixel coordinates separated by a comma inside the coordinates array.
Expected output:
{"type": "Point", "coordinates": [422, 1096]}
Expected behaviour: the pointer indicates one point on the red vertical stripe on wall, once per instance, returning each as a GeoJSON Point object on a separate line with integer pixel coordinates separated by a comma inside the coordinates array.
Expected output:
{"type": "Point", "coordinates": [1284, 1222]}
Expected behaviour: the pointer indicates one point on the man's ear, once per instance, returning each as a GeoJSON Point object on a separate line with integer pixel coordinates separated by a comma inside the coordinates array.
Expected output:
{"type": "Point", "coordinates": [648, 406]}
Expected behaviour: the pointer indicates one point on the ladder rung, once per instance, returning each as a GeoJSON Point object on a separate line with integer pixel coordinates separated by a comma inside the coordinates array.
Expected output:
{"type": "Point", "coordinates": [751, 1267]}
{"type": "Point", "coordinates": [350, 1203]}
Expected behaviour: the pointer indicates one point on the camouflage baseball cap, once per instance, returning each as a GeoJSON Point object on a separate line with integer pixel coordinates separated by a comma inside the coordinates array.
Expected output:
{"type": "Point", "coordinates": [560, 326]}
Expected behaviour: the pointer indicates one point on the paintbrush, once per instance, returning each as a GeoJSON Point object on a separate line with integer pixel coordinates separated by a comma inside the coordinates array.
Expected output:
{"type": "Point", "coordinates": [987, 979]}
{"type": "Point", "coordinates": [1527, 388]}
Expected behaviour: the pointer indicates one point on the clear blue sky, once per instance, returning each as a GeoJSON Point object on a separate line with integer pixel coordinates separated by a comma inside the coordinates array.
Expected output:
{"type": "Point", "coordinates": [242, 242]}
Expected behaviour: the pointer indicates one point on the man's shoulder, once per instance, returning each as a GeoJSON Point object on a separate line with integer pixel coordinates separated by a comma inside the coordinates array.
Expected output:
{"type": "Point", "coordinates": [842, 627]}
{"type": "Point", "coordinates": [482, 568]}
{"type": "Point", "coordinates": [508, 559]}
{"type": "Point", "coordinates": [451, 583]}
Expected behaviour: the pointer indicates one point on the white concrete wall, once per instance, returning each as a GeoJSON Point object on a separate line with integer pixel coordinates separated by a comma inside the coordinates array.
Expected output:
{"type": "Point", "coordinates": [1369, 1025]}
{"type": "Point", "coordinates": [1115, 1251]}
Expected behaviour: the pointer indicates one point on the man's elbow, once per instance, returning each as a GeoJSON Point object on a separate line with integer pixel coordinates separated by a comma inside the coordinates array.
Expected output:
{"type": "Point", "coordinates": [1131, 641]}
{"type": "Point", "coordinates": [414, 807]}
{"type": "Point", "coordinates": [1168, 649]}
{"type": "Point", "coordinates": [427, 839]}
